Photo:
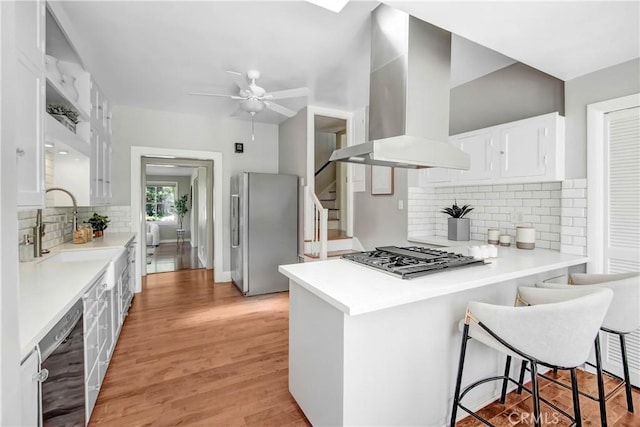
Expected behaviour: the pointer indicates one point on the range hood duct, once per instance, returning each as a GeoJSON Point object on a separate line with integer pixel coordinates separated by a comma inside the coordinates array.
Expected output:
{"type": "Point", "coordinates": [408, 96]}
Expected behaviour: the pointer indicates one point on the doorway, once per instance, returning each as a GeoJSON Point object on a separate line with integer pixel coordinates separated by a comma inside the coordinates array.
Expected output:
{"type": "Point", "coordinates": [215, 256]}
{"type": "Point", "coordinates": [328, 129]}
{"type": "Point", "coordinates": [171, 225]}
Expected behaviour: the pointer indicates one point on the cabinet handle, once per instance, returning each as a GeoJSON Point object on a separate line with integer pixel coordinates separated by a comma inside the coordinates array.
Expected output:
{"type": "Point", "coordinates": [41, 376]}
{"type": "Point", "coordinates": [105, 363]}
{"type": "Point", "coordinates": [94, 388]}
{"type": "Point", "coordinates": [19, 152]}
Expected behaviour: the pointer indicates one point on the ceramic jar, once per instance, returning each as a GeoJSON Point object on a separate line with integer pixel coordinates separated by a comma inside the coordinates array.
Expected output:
{"type": "Point", "coordinates": [493, 237]}
{"type": "Point", "coordinates": [505, 240]}
{"type": "Point", "coordinates": [525, 237]}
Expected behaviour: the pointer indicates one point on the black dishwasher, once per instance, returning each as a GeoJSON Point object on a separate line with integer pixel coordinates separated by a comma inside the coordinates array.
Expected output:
{"type": "Point", "coordinates": [63, 392]}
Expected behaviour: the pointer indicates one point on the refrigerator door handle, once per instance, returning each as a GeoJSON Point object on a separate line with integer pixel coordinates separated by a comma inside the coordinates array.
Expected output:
{"type": "Point", "coordinates": [235, 220]}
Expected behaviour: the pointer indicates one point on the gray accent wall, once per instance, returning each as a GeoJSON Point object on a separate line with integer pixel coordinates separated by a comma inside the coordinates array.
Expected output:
{"type": "Point", "coordinates": [377, 221]}
{"type": "Point", "coordinates": [608, 83]}
{"type": "Point", "coordinates": [512, 93]}
{"type": "Point", "coordinates": [292, 147]}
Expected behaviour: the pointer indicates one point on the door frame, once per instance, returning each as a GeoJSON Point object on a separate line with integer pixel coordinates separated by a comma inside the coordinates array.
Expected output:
{"type": "Point", "coordinates": [595, 174]}
{"type": "Point", "coordinates": [137, 217]}
{"type": "Point", "coordinates": [312, 112]}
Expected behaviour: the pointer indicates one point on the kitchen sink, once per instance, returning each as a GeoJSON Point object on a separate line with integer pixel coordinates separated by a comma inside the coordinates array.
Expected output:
{"type": "Point", "coordinates": [82, 255]}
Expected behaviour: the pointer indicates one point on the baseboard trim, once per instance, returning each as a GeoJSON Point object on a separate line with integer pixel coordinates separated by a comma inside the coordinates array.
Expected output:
{"type": "Point", "coordinates": [226, 276]}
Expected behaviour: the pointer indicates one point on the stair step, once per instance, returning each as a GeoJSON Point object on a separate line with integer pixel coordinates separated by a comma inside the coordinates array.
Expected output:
{"type": "Point", "coordinates": [332, 254]}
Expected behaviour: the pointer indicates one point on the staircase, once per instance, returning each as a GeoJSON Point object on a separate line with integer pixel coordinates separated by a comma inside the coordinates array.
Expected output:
{"type": "Point", "coordinates": [324, 235]}
{"type": "Point", "coordinates": [329, 202]}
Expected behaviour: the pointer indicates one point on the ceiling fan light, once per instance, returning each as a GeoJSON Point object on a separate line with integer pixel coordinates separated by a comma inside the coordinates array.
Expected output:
{"type": "Point", "coordinates": [252, 105]}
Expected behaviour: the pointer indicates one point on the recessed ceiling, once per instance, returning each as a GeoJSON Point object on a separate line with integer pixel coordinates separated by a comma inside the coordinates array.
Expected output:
{"type": "Point", "coordinates": [151, 53]}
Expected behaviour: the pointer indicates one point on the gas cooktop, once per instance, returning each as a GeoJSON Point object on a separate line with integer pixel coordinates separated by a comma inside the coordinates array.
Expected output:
{"type": "Point", "coordinates": [412, 261]}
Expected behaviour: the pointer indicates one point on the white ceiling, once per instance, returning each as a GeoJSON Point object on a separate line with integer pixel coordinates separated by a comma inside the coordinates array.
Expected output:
{"type": "Point", "coordinates": [150, 54]}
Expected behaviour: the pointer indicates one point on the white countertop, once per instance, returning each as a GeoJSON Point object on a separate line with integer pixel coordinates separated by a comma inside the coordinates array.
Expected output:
{"type": "Point", "coordinates": [48, 290]}
{"type": "Point", "coordinates": [356, 289]}
{"type": "Point", "coordinates": [443, 241]}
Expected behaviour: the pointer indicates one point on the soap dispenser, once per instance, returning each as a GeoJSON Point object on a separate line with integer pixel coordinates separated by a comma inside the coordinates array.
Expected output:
{"type": "Point", "coordinates": [25, 251]}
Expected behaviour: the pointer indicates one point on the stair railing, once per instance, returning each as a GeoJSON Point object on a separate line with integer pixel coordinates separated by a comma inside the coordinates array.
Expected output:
{"type": "Point", "coordinates": [319, 224]}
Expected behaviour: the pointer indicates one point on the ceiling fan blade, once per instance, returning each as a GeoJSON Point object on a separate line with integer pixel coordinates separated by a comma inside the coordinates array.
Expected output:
{"type": "Point", "coordinates": [211, 94]}
{"type": "Point", "coordinates": [240, 80]}
{"type": "Point", "coordinates": [280, 109]}
{"type": "Point", "coordinates": [289, 93]}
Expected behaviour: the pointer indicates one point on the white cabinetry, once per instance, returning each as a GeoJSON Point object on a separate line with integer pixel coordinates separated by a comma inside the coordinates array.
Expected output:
{"type": "Point", "coordinates": [30, 389]}
{"type": "Point", "coordinates": [529, 150]}
{"type": "Point", "coordinates": [86, 169]}
{"type": "Point", "coordinates": [30, 29]}
{"type": "Point", "coordinates": [97, 338]}
{"type": "Point", "coordinates": [480, 147]}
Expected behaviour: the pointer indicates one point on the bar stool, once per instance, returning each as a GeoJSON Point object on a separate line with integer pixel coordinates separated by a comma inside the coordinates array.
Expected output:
{"type": "Point", "coordinates": [556, 329]}
{"type": "Point", "coordinates": [622, 318]}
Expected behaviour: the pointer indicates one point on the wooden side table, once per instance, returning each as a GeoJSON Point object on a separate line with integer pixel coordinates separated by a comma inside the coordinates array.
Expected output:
{"type": "Point", "coordinates": [180, 236]}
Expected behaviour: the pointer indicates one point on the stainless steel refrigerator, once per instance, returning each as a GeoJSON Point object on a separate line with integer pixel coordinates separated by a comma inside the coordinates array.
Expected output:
{"type": "Point", "coordinates": [264, 230]}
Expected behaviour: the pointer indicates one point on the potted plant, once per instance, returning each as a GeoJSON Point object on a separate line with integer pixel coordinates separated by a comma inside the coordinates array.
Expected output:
{"type": "Point", "coordinates": [181, 209]}
{"type": "Point", "coordinates": [98, 223]}
{"type": "Point", "coordinates": [458, 226]}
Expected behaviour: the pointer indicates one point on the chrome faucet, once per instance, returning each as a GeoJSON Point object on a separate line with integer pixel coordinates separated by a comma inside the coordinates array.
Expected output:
{"type": "Point", "coordinates": [38, 230]}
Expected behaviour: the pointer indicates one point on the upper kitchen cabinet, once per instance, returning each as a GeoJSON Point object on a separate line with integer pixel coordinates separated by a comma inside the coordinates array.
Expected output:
{"type": "Point", "coordinates": [30, 48]}
{"type": "Point", "coordinates": [532, 149]}
{"type": "Point", "coordinates": [77, 126]}
{"type": "Point", "coordinates": [529, 150]}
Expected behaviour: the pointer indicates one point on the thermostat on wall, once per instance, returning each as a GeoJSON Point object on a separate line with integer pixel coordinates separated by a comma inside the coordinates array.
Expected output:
{"type": "Point", "coordinates": [239, 147]}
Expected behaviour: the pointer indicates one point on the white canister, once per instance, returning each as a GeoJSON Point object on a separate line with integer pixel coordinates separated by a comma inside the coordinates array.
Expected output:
{"type": "Point", "coordinates": [525, 237]}
{"type": "Point", "coordinates": [505, 240]}
{"type": "Point", "coordinates": [493, 237]}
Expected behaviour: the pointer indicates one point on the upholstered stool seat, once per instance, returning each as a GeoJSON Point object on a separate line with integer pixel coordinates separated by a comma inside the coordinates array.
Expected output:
{"type": "Point", "coordinates": [556, 328]}
{"type": "Point", "coordinates": [623, 317]}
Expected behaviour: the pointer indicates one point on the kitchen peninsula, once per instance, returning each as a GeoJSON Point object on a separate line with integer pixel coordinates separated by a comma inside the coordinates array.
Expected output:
{"type": "Point", "coordinates": [366, 348]}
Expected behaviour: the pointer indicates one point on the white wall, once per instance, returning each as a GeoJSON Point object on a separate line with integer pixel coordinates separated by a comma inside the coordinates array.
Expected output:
{"type": "Point", "coordinates": [134, 126]}
{"type": "Point", "coordinates": [608, 83]}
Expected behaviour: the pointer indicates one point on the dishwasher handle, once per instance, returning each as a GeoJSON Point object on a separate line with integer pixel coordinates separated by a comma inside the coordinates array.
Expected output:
{"type": "Point", "coordinates": [60, 332]}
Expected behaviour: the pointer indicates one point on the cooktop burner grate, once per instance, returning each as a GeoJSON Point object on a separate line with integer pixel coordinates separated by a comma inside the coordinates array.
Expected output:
{"type": "Point", "coordinates": [412, 261]}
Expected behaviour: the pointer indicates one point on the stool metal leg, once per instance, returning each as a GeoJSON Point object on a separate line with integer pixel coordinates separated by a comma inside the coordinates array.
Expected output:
{"type": "Point", "coordinates": [602, 400]}
{"type": "Point", "coordinates": [507, 368]}
{"type": "Point", "coordinates": [456, 395]}
{"type": "Point", "coordinates": [523, 369]}
{"type": "Point", "coordinates": [576, 398]}
{"type": "Point", "coordinates": [625, 367]}
{"type": "Point", "coordinates": [536, 394]}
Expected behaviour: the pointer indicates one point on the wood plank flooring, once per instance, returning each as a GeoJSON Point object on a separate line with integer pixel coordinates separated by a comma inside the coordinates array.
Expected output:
{"type": "Point", "coordinates": [195, 353]}
{"type": "Point", "coordinates": [172, 257]}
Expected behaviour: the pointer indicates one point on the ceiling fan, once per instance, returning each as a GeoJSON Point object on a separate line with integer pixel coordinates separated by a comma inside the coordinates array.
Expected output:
{"type": "Point", "coordinates": [253, 98]}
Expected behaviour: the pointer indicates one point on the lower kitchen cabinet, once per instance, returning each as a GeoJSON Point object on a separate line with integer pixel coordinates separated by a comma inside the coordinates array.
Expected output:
{"type": "Point", "coordinates": [30, 389]}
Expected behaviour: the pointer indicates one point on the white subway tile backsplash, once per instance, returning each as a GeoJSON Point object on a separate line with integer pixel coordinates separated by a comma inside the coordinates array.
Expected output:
{"type": "Point", "coordinates": [556, 217]}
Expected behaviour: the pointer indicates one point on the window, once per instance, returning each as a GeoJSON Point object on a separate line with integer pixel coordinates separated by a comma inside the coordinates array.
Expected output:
{"type": "Point", "coordinates": [160, 202]}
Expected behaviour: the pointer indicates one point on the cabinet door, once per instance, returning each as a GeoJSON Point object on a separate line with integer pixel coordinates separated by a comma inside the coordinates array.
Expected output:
{"type": "Point", "coordinates": [523, 148]}
{"type": "Point", "coordinates": [30, 30]}
{"type": "Point", "coordinates": [108, 170]}
{"type": "Point", "coordinates": [30, 133]}
{"type": "Point", "coordinates": [433, 175]}
{"type": "Point", "coordinates": [479, 146]}
{"type": "Point", "coordinates": [30, 389]}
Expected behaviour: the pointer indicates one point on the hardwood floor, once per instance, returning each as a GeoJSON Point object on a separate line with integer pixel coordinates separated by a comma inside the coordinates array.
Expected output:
{"type": "Point", "coordinates": [195, 353]}
{"type": "Point", "coordinates": [173, 257]}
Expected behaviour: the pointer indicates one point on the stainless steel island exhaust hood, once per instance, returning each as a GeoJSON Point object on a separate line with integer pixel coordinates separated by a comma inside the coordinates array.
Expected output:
{"type": "Point", "coordinates": [408, 96]}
